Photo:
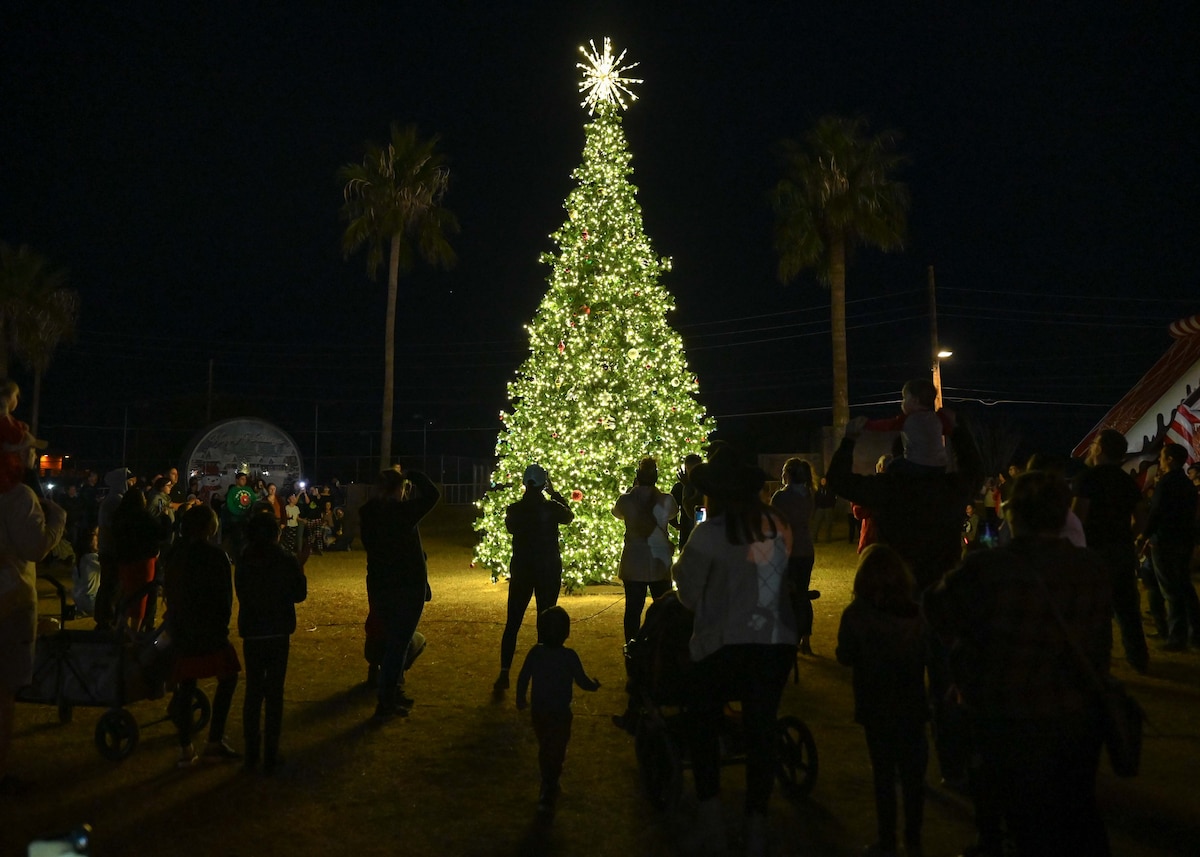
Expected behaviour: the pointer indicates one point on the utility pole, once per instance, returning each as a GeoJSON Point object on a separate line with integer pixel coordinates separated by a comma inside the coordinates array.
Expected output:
{"type": "Point", "coordinates": [934, 348]}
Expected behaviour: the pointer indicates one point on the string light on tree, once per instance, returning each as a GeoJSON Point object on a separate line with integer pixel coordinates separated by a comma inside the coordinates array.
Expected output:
{"type": "Point", "coordinates": [606, 381]}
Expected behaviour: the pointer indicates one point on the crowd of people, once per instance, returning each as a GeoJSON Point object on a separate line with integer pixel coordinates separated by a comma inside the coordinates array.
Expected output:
{"type": "Point", "coordinates": [128, 522]}
{"type": "Point", "coordinates": [971, 600]}
{"type": "Point", "coordinates": [987, 631]}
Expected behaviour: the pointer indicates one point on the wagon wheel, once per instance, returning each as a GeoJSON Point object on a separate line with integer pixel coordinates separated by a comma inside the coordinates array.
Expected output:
{"type": "Point", "coordinates": [201, 710]}
{"type": "Point", "coordinates": [796, 763]}
{"type": "Point", "coordinates": [66, 712]}
{"type": "Point", "coordinates": [116, 734]}
{"type": "Point", "coordinates": [199, 706]}
{"type": "Point", "coordinates": [659, 763]}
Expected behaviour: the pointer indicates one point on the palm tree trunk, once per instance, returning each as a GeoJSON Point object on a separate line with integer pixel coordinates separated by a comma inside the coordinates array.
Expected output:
{"type": "Point", "coordinates": [389, 355]}
{"type": "Point", "coordinates": [37, 402]}
{"type": "Point", "coordinates": [837, 313]}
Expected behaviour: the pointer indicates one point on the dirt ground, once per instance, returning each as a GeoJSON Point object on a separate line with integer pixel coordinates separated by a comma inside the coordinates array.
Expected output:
{"type": "Point", "coordinates": [459, 776]}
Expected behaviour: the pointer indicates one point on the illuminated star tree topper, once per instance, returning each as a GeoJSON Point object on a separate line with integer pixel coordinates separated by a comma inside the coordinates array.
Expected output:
{"type": "Point", "coordinates": [602, 77]}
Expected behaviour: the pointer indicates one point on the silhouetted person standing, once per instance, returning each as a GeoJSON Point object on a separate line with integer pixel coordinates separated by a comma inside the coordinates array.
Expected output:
{"type": "Point", "coordinates": [1106, 499]}
{"type": "Point", "coordinates": [1170, 529]}
{"type": "Point", "coordinates": [1019, 618]}
{"type": "Point", "coordinates": [397, 576]}
{"type": "Point", "coordinates": [536, 567]}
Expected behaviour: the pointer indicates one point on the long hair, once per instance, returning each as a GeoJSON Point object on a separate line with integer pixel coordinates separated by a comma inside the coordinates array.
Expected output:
{"type": "Point", "coordinates": [744, 511]}
{"type": "Point", "coordinates": [883, 579]}
{"type": "Point", "coordinates": [133, 503]}
{"type": "Point", "coordinates": [798, 472]}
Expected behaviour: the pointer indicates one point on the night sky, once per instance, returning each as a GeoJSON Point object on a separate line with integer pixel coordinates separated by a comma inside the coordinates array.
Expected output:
{"type": "Point", "coordinates": [180, 161]}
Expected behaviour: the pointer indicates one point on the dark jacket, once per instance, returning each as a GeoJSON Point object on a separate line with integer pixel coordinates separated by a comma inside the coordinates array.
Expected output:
{"type": "Point", "coordinates": [388, 529]}
{"type": "Point", "coordinates": [920, 515]}
{"type": "Point", "coordinates": [269, 583]}
{"type": "Point", "coordinates": [1172, 516]}
{"type": "Point", "coordinates": [117, 481]}
{"type": "Point", "coordinates": [888, 653]}
{"type": "Point", "coordinates": [198, 584]}
{"type": "Point", "coordinates": [688, 498]}
{"type": "Point", "coordinates": [534, 521]}
{"type": "Point", "coordinates": [1009, 655]}
{"type": "Point", "coordinates": [137, 535]}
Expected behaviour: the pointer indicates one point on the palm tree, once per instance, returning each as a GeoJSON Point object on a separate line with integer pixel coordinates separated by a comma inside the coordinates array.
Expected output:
{"type": "Point", "coordinates": [37, 313]}
{"type": "Point", "coordinates": [837, 192]}
{"type": "Point", "coordinates": [394, 199]}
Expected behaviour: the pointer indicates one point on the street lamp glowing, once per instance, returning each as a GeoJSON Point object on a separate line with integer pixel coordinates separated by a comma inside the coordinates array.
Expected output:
{"type": "Point", "coordinates": [943, 353]}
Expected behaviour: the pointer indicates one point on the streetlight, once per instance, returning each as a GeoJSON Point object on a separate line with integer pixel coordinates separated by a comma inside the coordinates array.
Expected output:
{"type": "Point", "coordinates": [937, 352]}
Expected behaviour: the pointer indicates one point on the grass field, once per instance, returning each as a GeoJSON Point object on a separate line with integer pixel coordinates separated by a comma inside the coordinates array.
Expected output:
{"type": "Point", "coordinates": [459, 776]}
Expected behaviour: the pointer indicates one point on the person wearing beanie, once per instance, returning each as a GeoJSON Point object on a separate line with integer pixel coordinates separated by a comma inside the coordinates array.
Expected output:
{"type": "Point", "coordinates": [536, 568]}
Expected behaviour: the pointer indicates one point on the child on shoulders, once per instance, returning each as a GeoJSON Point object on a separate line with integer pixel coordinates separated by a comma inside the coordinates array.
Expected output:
{"type": "Point", "coordinates": [14, 437]}
{"type": "Point", "coordinates": [921, 428]}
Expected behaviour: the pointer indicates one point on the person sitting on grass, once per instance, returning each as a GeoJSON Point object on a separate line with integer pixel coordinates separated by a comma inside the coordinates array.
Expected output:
{"type": "Point", "coordinates": [339, 537]}
{"type": "Point", "coordinates": [85, 577]}
{"type": "Point", "coordinates": [270, 582]}
{"type": "Point", "coordinates": [553, 669]}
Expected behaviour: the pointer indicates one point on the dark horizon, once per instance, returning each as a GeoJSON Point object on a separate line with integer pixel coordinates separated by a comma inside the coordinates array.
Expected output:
{"type": "Point", "coordinates": [182, 167]}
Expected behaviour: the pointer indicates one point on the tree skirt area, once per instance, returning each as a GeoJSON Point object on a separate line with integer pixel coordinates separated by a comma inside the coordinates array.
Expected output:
{"type": "Point", "coordinates": [459, 776]}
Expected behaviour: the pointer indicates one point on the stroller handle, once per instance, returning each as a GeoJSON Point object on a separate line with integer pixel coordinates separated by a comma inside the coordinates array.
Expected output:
{"type": "Point", "coordinates": [65, 611]}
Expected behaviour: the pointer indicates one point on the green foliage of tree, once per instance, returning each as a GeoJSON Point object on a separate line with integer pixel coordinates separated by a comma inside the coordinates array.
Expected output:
{"type": "Point", "coordinates": [393, 199]}
{"type": "Point", "coordinates": [37, 313]}
{"type": "Point", "coordinates": [838, 191]}
{"type": "Point", "coordinates": [606, 381]}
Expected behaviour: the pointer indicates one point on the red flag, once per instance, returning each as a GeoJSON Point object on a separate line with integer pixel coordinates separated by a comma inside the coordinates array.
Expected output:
{"type": "Point", "coordinates": [1185, 431]}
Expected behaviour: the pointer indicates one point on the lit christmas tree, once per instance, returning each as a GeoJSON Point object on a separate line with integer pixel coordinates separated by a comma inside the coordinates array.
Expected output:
{"type": "Point", "coordinates": [606, 382]}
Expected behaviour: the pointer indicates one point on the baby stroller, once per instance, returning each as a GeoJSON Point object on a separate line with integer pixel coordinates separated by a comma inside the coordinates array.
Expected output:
{"type": "Point", "coordinates": [104, 668]}
{"type": "Point", "coordinates": [660, 667]}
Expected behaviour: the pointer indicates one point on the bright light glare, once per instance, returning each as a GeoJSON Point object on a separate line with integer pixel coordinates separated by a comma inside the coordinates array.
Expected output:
{"type": "Point", "coordinates": [602, 77]}
{"type": "Point", "coordinates": [944, 353]}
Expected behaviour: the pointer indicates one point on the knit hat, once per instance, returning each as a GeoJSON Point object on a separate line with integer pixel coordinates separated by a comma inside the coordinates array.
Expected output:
{"type": "Point", "coordinates": [535, 476]}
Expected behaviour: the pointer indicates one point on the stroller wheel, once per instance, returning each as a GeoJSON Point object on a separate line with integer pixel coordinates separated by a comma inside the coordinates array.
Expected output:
{"type": "Point", "coordinates": [796, 765]}
{"type": "Point", "coordinates": [659, 762]}
{"type": "Point", "coordinates": [116, 734]}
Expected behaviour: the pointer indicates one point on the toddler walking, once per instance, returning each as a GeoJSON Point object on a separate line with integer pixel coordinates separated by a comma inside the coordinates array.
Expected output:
{"type": "Point", "coordinates": [883, 638]}
{"type": "Point", "coordinates": [553, 669]}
